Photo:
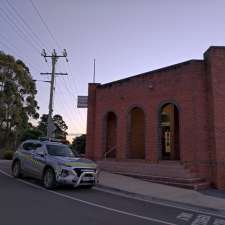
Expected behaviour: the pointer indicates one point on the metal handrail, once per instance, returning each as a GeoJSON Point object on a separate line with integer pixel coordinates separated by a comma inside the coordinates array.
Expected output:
{"type": "Point", "coordinates": [109, 151]}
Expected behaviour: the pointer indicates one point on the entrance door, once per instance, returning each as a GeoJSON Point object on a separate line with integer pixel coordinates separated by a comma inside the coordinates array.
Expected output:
{"type": "Point", "coordinates": [169, 126]}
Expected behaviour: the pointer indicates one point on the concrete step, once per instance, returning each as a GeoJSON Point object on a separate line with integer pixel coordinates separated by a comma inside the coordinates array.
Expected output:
{"type": "Point", "coordinates": [173, 169]}
{"type": "Point", "coordinates": [192, 180]}
{"type": "Point", "coordinates": [166, 172]}
{"type": "Point", "coordinates": [194, 183]}
{"type": "Point", "coordinates": [195, 186]}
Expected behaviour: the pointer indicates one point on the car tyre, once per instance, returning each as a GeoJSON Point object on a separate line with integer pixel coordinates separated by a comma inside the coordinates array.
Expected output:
{"type": "Point", "coordinates": [49, 179]}
{"type": "Point", "coordinates": [16, 169]}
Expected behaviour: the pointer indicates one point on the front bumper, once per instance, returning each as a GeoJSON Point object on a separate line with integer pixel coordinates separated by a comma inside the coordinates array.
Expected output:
{"type": "Point", "coordinates": [85, 178]}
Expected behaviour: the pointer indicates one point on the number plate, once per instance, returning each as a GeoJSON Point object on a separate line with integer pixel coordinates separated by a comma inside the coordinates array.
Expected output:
{"type": "Point", "coordinates": [88, 178]}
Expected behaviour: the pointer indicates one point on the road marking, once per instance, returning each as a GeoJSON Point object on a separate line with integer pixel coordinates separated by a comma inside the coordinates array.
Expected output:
{"type": "Point", "coordinates": [172, 205]}
{"type": "Point", "coordinates": [91, 203]}
{"type": "Point", "coordinates": [185, 216]}
{"type": "Point", "coordinates": [219, 222]}
{"type": "Point", "coordinates": [216, 222]}
{"type": "Point", "coordinates": [201, 220]}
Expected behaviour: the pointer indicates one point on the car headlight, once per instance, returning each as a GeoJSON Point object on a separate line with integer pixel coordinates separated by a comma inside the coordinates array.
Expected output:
{"type": "Point", "coordinates": [64, 173]}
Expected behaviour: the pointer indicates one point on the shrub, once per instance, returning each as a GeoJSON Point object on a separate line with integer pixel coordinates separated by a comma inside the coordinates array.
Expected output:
{"type": "Point", "coordinates": [8, 154]}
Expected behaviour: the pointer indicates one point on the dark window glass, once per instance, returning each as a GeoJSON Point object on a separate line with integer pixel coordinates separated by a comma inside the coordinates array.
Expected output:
{"type": "Point", "coordinates": [28, 146]}
{"type": "Point", "coordinates": [31, 146]}
{"type": "Point", "coordinates": [60, 150]}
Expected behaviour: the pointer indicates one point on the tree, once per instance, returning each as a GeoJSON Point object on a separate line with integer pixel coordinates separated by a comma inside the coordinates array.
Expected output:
{"type": "Point", "coordinates": [17, 99]}
{"type": "Point", "coordinates": [61, 127]}
{"type": "Point", "coordinates": [79, 144]}
{"type": "Point", "coordinates": [31, 133]}
{"type": "Point", "coordinates": [42, 124]}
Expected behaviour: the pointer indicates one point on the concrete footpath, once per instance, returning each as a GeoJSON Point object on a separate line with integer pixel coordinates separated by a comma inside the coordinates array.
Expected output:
{"type": "Point", "coordinates": [209, 199]}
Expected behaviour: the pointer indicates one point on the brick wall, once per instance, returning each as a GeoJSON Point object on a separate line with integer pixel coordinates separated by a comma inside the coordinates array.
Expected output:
{"type": "Point", "coordinates": [215, 72]}
{"type": "Point", "coordinates": [196, 87]}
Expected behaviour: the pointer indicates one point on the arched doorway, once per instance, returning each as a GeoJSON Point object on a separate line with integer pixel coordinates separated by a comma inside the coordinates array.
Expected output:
{"type": "Point", "coordinates": [136, 136]}
{"type": "Point", "coordinates": [111, 135]}
{"type": "Point", "coordinates": [169, 132]}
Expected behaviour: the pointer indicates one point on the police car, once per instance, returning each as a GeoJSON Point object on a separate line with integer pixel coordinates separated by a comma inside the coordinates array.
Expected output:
{"type": "Point", "coordinates": [53, 163]}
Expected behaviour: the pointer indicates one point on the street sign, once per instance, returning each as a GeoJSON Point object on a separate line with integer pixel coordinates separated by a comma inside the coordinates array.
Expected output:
{"type": "Point", "coordinates": [82, 102]}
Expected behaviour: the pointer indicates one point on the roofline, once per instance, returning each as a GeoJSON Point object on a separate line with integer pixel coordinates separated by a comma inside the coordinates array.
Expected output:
{"type": "Point", "coordinates": [174, 66]}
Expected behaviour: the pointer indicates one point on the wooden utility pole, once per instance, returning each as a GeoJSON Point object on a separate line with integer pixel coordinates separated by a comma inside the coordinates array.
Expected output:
{"type": "Point", "coordinates": [54, 57]}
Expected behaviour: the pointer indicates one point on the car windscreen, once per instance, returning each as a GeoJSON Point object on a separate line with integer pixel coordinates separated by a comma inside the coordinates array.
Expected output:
{"type": "Point", "coordinates": [57, 150]}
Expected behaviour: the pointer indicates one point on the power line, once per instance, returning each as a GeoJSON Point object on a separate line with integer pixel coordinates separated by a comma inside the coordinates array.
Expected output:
{"type": "Point", "coordinates": [54, 57]}
{"type": "Point", "coordinates": [69, 104]}
{"type": "Point", "coordinates": [18, 30]}
{"type": "Point", "coordinates": [38, 40]}
{"type": "Point", "coordinates": [75, 90]}
{"type": "Point", "coordinates": [45, 24]}
{"type": "Point", "coordinates": [70, 93]}
{"type": "Point", "coordinates": [65, 105]}
{"type": "Point", "coordinates": [57, 43]}
{"type": "Point", "coordinates": [7, 46]}
{"type": "Point", "coordinates": [22, 33]}
{"type": "Point", "coordinates": [11, 49]}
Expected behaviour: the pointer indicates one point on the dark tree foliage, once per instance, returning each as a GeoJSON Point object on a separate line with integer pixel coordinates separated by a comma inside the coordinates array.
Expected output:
{"type": "Point", "coordinates": [79, 144]}
{"type": "Point", "coordinates": [31, 133]}
{"type": "Point", "coordinates": [17, 99]}
{"type": "Point", "coordinates": [60, 124]}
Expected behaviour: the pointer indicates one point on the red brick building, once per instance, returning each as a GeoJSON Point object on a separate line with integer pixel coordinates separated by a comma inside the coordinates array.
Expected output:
{"type": "Point", "coordinates": [170, 116]}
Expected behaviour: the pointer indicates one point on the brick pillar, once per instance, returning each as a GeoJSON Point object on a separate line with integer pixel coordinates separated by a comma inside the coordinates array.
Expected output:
{"type": "Point", "coordinates": [151, 135]}
{"type": "Point", "coordinates": [121, 136]}
{"type": "Point", "coordinates": [91, 117]}
{"type": "Point", "coordinates": [215, 72]}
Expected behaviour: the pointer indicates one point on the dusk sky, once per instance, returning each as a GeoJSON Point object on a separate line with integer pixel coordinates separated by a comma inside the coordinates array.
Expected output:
{"type": "Point", "coordinates": [127, 37]}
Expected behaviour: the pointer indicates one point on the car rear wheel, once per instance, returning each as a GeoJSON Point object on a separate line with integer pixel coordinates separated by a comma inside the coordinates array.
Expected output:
{"type": "Point", "coordinates": [16, 169]}
{"type": "Point", "coordinates": [49, 180]}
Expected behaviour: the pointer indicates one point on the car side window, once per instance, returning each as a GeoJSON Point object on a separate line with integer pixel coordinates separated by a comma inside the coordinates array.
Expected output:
{"type": "Point", "coordinates": [36, 145]}
{"type": "Point", "coordinates": [28, 146]}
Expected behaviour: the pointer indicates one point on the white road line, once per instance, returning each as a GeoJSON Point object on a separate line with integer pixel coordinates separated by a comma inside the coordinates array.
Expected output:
{"type": "Point", "coordinates": [92, 204]}
{"type": "Point", "coordinates": [172, 205]}
{"type": "Point", "coordinates": [124, 195]}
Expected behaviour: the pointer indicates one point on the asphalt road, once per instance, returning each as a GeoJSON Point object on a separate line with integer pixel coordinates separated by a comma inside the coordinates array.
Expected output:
{"type": "Point", "coordinates": [25, 202]}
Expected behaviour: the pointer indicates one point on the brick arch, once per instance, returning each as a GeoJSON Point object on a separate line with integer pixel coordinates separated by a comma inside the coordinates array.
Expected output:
{"type": "Point", "coordinates": [110, 120]}
{"type": "Point", "coordinates": [136, 132]}
{"type": "Point", "coordinates": [169, 131]}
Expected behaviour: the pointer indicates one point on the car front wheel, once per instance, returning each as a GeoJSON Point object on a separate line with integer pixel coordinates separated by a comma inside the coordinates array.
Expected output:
{"type": "Point", "coordinates": [16, 169]}
{"type": "Point", "coordinates": [49, 179]}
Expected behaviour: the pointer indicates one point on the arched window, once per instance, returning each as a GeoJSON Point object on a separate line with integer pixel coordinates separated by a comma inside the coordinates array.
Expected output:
{"type": "Point", "coordinates": [169, 132]}
{"type": "Point", "coordinates": [136, 133]}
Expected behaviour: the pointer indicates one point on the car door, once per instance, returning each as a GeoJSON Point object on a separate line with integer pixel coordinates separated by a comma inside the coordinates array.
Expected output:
{"type": "Point", "coordinates": [26, 157]}
{"type": "Point", "coordinates": [38, 160]}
